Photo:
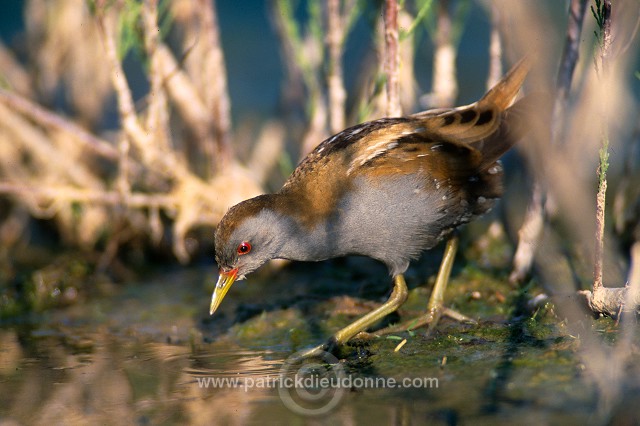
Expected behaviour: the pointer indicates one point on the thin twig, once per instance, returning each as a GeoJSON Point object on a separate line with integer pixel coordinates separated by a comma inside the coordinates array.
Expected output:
{"type": "Point", "coordinates": [184, 95]}
{"type": "Point", "coordinates": [122, 183]}
{"type": "Point", "coordinates": [529, 236]}
{"type": "Point", "coordinates": [445, 87]}
{"type": "Point", "coordinates": [335, 83]}
{"type": "Point", "coordinates": [69, 194]}
{"type": "Point", "coordinates": [495, 48]}
{"type": "Point", "coordinates": [130, 122]}
{"type": "Point", "coordinates": [605, 47]}
{"type": "Point", "coordinates": [156, 120]}
{"type": "Point", "coordinates": [217, 96]}
{"type": "Point", "coordinates": [570, 54]}
{"type": "Point", "coordinates": [392, 58]}
{"type": "Point", "coordinates": [600, 220]}
{"type": "Point", "coordinates": [51, 120]}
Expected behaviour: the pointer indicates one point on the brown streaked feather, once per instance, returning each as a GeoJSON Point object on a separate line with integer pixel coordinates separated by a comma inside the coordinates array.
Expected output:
{"type": "Point", "coordinates": [454, 145]}
{"type": "Point", "coordinates": [480, 125]}
{"type": "Point", "coordinates": [321, 179]}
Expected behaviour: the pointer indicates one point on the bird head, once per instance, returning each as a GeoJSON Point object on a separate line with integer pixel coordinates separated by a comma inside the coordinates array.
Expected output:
{"type": "Point", "coordinates": [246, 237]}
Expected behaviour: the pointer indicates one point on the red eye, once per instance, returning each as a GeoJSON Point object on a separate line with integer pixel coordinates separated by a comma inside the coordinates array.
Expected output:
{"type": "Point", "coordinates": [244, 248]}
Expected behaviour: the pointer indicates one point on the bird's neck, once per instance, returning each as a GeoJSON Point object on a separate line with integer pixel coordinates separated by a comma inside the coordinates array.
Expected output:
{"type": "Point", "coordinates": [297, 228]}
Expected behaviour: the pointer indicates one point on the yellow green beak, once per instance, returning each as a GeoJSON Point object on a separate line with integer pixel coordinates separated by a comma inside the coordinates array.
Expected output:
{"type": "Point", "coordinates": [222, 286]}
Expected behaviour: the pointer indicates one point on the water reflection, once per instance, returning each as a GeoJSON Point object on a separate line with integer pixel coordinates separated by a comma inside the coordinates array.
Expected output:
{"type": "Point", "coordinates": [51, 379]}
{"type": "Point", "coordinates": [98, 377]}
{"type": "Point", "coordinates": [235, 362]}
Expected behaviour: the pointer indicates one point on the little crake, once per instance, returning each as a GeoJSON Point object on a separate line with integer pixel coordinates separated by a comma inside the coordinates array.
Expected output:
{"type": "Point", "coordinates": [387, 189]}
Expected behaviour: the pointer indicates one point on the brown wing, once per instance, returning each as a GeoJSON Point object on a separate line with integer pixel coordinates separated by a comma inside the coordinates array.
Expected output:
{"type": "Point", "coordinates": [456, 143]}
{"type": "Point", "coordinates": [459, 146]}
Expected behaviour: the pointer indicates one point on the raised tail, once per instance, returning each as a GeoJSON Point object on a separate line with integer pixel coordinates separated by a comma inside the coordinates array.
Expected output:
{"type": "Point", "coordinates": [505, 91]}
{"type": "Point", "coordinates": [513, 116]}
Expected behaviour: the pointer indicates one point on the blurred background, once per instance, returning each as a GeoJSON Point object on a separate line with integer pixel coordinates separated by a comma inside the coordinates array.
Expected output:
{"type": "Point", "coordinates": [128, 128]}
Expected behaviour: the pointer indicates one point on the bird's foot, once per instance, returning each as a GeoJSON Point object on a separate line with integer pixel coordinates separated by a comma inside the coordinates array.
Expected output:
{"type": "Point", "coordinates": [430, 319]}
{"type": "Point", "coordinates": [458, 316]}
{"type": "Point", "coordinates": [318, 351]}
{"type": "Point", "coordinates": [356, 328]}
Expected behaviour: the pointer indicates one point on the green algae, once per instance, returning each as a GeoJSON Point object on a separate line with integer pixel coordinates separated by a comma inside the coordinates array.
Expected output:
{"type": "Point", "coordinates": [272, 329]}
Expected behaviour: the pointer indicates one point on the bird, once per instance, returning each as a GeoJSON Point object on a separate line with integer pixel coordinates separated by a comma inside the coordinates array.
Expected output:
{"type": "Point", "coordinates": [387, 189]}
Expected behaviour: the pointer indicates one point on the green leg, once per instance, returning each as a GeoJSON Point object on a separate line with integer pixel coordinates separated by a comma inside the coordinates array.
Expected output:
{"type": "Point", "coordinates": [435, 308]}
{"type": "Point", "coordinates": [398, 297]}
{"type": "Point", "coordinates": [437, 295]}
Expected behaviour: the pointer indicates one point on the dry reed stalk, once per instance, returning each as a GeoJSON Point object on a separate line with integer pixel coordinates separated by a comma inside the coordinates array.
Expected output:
{"type": "Point", "coordinates": [445, 85]}
{"type": "Point", "coordinates": [335, 43]}
{"type": "Point", "coordinates": [530, 233]}
{"type": "Point", "coordinates": [392, 58]}
{"type": "Point", "coordinates": [495, 48]}
{"type": "Point", "coordinates": [215, 88]}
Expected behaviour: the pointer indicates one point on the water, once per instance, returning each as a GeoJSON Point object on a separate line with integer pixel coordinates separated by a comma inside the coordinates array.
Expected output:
{"type": "Point", "coordinates": [148, 354]}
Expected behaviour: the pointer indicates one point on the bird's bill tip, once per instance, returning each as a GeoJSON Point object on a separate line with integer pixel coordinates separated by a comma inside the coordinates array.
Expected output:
{"type": "Point", "coordinates": [225, 279]}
